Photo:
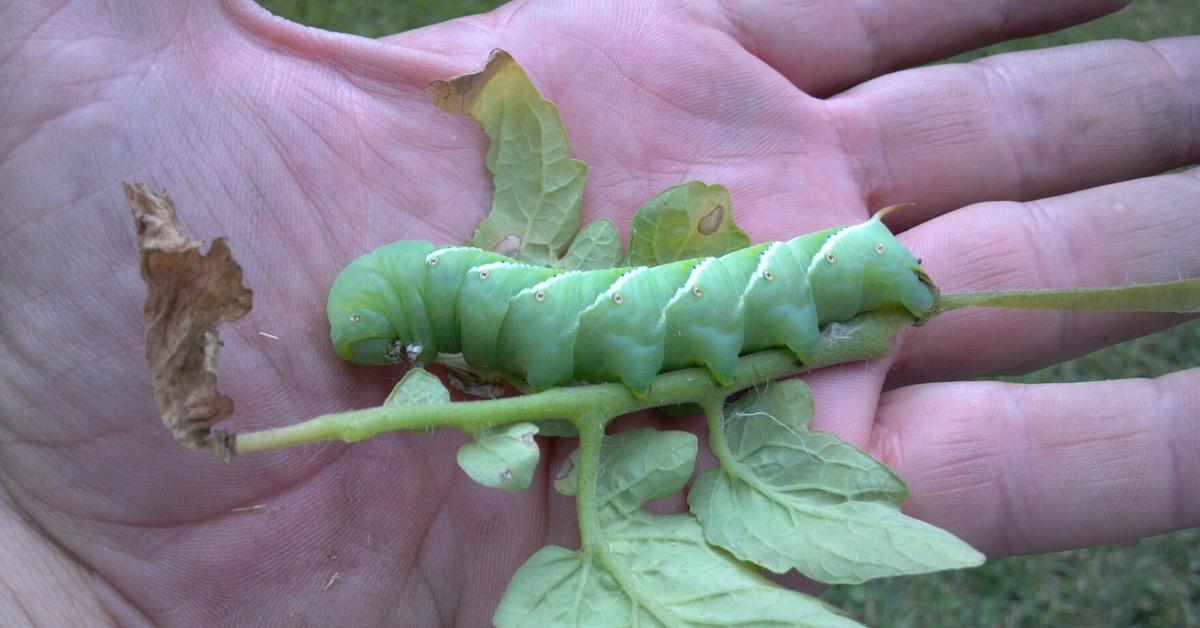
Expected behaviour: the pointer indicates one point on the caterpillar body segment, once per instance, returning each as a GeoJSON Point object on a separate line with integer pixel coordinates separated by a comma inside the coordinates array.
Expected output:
{"type": "Point", "coordinates": [541, 328]}
{"type": "Point", "coordinates": [444, 277]}
{"type": "Point", "coordinates": [622, 335]}
{"type": "Point", "coordinates": [779, 307]}
{"type": "Point", "coordinates": [546, 327]}
{"type": "Point", "coordinates": [705, 322]}
{"type": "Point", "coordinates": [483, 305]}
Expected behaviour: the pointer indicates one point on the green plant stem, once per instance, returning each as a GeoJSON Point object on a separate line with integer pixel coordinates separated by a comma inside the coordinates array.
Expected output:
{"type": "Point", "coordinates": [609, 400]}
{"type": "Point", "coordinates": [714, 414]}
{"type": "Point", "coordinates": [1172, 296]}
{"type": "Point", "coordinates": [861, 338]}
{"type": "Point", "coordinates": [591, 435]}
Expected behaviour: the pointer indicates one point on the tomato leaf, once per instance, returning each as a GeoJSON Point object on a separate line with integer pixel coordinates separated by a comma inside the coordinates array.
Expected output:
{"type": "Point", "coordinates": [417, 387]}
{"type": "Point", "coordinates": [536, 208]}
{"type": "Point", "coordinates": [789, 498]}
{"type": "Point", "coordinates": [503, 457]}
{"type": "Point", "coordinates": [649, 569]}
{"type": "Point", "coordinates": [683, 222]}
{"type": "Point", "coordinates": [598, 245]}
{"type": "Point", "coordinates": [188, 295]}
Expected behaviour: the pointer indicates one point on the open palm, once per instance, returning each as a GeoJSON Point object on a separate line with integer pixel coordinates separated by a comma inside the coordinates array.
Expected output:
{"type": "Point", "coordinates": [308, 148]}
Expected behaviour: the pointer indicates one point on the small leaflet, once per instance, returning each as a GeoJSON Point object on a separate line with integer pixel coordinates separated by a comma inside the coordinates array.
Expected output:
{"type": "Point", "coordinates": [597, 246]}
{"type": "Point", "coordinates": [503, 457]}
{"type": "Point", "coordinates": [417, 387]}
{"type": "Point", "coordinates": [832, 511]}
{"type": "Point", "coordinates": [684, 222]}
{"type": "Point", "coordinates": [188, 294]}
{"type": "Point", "coordinates": [649, 570]}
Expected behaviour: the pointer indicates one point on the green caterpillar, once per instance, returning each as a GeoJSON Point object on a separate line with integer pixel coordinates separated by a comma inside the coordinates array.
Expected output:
{"type": "Point", "coordinates": [411, 301]}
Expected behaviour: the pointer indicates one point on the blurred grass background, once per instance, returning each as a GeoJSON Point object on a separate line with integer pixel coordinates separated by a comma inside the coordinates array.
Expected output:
{"type": "Point", "coordinates": [1151, 582]}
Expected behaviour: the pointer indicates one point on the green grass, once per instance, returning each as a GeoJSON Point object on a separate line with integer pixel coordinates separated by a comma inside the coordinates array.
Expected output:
{"type": "Point", "coordinates": [1151, 582]}
{"type": "Point", "coordinates": [1141, 21]}
{"type": "Point", "coordinates": [374, 18]}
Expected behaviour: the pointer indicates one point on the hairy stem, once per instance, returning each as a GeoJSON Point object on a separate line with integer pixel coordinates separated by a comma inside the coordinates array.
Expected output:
{"type": "Point", "coordinates": [714, 413]}
{"type": "Point", "coordinates": [1172, 296]}
{"type": "Point", "coordinates": [861, 338]}
{"type": "Point", "coordinates": [591, 434]}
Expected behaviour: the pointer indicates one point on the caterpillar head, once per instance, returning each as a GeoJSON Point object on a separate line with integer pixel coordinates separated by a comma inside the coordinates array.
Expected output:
{"type": "Point", "coordinates": [896, 267]}
{"type": "Point", "coordinates": [376, 314]}
{"type": "Point", "coordinates": [891, 275]}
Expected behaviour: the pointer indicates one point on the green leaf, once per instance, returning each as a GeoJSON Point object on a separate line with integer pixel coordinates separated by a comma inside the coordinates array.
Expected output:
{"type": "Point", "coordinates": [538, 187]}
{"type": "Point", "coordinates": [1172, 296]}
{"type": "Point", "coordinates": [767, 431]}
{"type": "Point", "coordinates": [567, 479]}
{"type": "Point", "coordinates": [650, 570]}
{"type": "Point", "coordinates": [597, 246]}
{"type": "Point", "coordinates": [659, 572]}
{"type": "Point", "coordinates": [682, 222]}
{"type": "Point", "coordinates": [788, 498]}
{"type": "Point", "coordinates": [502, 457]}
{"type": "Point", "coordinates": [418, 387]}
{"type": "Point", "coordinates": [639, 465]}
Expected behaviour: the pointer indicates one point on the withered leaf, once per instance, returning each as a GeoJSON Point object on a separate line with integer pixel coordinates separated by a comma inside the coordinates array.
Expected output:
{"type": "Point", "coordinates": [536, 208]}
{"type": "Point", "coordinates": [188, 294]}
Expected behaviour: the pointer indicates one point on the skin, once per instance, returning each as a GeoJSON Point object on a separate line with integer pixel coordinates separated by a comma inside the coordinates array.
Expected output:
{"type": "Point", "coordinates": [308, 148]}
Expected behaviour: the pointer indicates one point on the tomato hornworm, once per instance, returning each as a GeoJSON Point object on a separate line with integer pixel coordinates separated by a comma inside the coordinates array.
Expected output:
{"type": "Point", "coordinates": [409, 300]}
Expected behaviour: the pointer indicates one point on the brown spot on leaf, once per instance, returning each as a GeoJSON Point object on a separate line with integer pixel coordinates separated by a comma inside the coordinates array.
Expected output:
{"type": "Point", "coordinates": [711, 221]}
{"type": "Point", "coordinates": [458, 94]}
{"type": "Point", "coordinates": [188, 294]}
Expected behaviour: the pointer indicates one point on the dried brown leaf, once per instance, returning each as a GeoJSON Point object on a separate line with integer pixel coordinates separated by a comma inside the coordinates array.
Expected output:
{"type": "Point", "coordinates": [188, 294]}
{"type": "Point", "coordinates": [461, 93]}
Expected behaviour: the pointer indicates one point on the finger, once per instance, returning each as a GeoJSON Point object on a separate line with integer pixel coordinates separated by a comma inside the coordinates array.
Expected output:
{"type": "Point", "coordinates": [845, 397]}
{"type": "Point", "coordinates": [1024, 125]}
{"type": "Point", "coordinates": [1139, 231]}
{"type": "Point", "coordinates": [1016, 469]}
{"type": "Point", "coordinates": [825, 46]}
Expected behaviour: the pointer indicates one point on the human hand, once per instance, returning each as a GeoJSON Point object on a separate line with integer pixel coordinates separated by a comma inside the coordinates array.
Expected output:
{"type": "Point", "coordinates": [308, 148]}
